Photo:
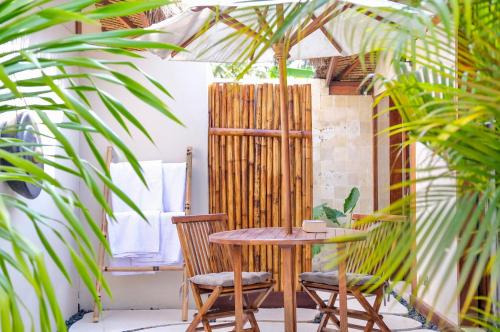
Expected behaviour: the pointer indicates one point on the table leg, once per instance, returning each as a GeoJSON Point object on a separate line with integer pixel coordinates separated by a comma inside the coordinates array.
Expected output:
{"type": "Point", "coordinates": [289, 296]}
{"type": "Point", "coordinates": [238, 290]}
{"type": "Point", "coordinates": [342, 290]}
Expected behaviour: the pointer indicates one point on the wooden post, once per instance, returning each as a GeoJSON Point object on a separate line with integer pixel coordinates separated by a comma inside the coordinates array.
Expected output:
{"type": "Point", "coordinates": [342, 288]}
{"type": "Point", "coordinates": [100, 251]}
{"type": "Point", "coordinates": [238, 290]}
{"type": "Point", "coordinates": [281, 55]}
{"type": "Point", "coordinates": [289, 296]}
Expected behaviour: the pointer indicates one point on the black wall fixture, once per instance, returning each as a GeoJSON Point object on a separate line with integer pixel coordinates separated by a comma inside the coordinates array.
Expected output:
{"type": "Point", "coordinates": [23, 128]}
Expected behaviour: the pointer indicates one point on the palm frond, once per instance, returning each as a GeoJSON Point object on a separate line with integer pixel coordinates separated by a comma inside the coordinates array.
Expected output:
{"type": "Point", "coordinates": [55, 76]}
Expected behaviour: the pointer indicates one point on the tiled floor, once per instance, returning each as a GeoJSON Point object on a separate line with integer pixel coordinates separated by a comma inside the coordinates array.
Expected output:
{"type": "Point", "coordinates": [270, 320]}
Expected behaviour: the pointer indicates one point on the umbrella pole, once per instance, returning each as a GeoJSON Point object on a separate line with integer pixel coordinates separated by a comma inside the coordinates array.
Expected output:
{"type": "Point", "coordinates": [281, 57]}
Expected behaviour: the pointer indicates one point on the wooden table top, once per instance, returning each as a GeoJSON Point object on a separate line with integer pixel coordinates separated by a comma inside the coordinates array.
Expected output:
{"type": "Point", "coordinates": [278, 236]}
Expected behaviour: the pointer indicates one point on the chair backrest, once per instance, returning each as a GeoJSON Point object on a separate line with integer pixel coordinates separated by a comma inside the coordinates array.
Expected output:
{"type": "Point", "coordinates": [383, 233]}
{"type": "Point", "coordinates": [201, 256]}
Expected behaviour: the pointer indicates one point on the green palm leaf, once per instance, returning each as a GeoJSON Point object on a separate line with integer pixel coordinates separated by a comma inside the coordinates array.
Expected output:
{"type": "Point", "coordinates": [48, 63]}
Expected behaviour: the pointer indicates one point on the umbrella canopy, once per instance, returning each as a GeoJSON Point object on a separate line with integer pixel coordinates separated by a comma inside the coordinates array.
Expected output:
{"type": "Point", "coordinates": [245, 30]}
{"type": "Point", "coordinates": [238, 31]}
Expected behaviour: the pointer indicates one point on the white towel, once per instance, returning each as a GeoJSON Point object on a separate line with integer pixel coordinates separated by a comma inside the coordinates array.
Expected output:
{"type": "Point", "coordinates": [170, 247]}
{"type": "Point", "coordinates": [127, 180]}
{"type": "Point", "coordinates": [174, 186]}
{"type": "Point", "coordinates": [131, 236]}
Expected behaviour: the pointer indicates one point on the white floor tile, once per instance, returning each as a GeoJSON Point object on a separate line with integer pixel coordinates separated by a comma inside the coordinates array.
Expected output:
{"type": "Point", "coordinates": [168, 320]}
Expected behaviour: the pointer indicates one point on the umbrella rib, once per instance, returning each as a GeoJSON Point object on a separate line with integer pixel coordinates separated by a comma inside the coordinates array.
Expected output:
{"type": "Point", "coordinates": [193, 37]}
{"type": "Point", "coordinates": [226, 19]}
{"type": "Point", "coordinates": [316, 23]}
{"type": "Point", "coordinates": [330, 37]}
{"type": "Point", "coordinates": [237, 25]}
{"type": "Point", "coordinates": [262, 20]}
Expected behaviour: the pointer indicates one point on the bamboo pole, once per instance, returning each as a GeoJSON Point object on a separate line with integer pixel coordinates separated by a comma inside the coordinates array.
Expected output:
{"type": "Point", "coordinates": [244, 169]}
{"type": "Point", "coordinates": [251, 165]}
{"type": "Point", "coordinates": [281, 55]}
{"type": "Point", "coordinates": [258, 132]}
{"type": "Point", "coordinates": [263, 174]}
{"type": "Point", "coordinates": [269, 174]}
{"type": "Point", "coordinates": [230, 160]}
{"type": "Point", "coordinates": [276, 183]}
{"type": "Point", "coordinates": [223, 139]}
{"type": "Point", "coordinates": [211, 145]}
{"type": "Point", "coordinates": [308, 170]}
{"type": "Point", "coordinates": [237, 156]}
{"type": "Point", "coordinates": [256, 201]}
{"type": "Point", "coordinates": [217, 151]}
{"type": "Point", "coordinates": [297, 109]}
{"type": "Point", "coordinates": [291, 144]}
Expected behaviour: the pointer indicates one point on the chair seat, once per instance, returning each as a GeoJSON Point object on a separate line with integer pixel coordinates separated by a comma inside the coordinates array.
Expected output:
{"type": "Point", "coordinates": [226, 279]}
{"type": "Point", "coordinates": [332, 278]}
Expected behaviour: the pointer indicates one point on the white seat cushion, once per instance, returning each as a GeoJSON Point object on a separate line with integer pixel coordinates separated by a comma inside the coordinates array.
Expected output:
{"type": "Point", "coordinates": [332, 278]}
{"type": "Point", "coordinates": [226, 279]}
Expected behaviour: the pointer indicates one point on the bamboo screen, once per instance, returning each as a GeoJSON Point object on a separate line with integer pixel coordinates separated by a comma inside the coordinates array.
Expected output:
{"type": "Point", "coordinates": [244, 163]}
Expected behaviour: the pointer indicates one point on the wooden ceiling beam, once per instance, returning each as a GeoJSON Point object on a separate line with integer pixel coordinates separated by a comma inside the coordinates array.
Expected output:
{"type": "Point", "coordinates": [127, 22]}
{"type": "Point", "coordinates": [347, 70]}
{"type": "Point", "coordinates": [344, 88]}
{"type": "Point", "coordinates": [124, 19]}
{"type": "Point", "coordinates": [331, 69]}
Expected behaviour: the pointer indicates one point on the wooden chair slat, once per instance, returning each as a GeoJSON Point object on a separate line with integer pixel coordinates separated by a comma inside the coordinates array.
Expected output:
{"type": "Point", "coordinates": [203, 257]}
{"type": "Point", "coordinates": [360, 260]}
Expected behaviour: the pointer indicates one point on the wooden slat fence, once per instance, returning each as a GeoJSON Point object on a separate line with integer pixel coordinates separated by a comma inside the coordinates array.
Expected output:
{"type": "Point", "coordinates": [244, 163]}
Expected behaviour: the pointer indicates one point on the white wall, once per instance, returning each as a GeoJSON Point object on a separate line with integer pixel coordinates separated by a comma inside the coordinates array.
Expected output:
{"type": "Point", "coordinates": [67, 294]}
{"type": "Point", "coordinates": [188, 83]}
{"type": "Point", "coordinates": [342, 148]}
{"type": "Point", "coordinates": [442, 285]}
{"type": "Point", "coordinates": [383, 154]}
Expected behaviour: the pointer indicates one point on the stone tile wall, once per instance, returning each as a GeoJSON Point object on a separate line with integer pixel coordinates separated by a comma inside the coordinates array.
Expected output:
{"type": "Point", "coordinates": [342, 147]}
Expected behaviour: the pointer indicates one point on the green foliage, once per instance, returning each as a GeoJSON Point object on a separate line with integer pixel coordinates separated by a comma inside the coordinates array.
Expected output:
{"type": "Point", "coordinates": [447, 92]}
{"type": "Point", "coordinates": [323, 211]}
{"type": "Point", "coordinates": [296, 69]}
{"type": "Point", "coordinates": [58, 76]}
{"type": "Point", "coordinates": [232, 70]}
{"type": "Point", "coordinates": [293, 72]}
{"type": "Point", "coordinates": [351, 200]}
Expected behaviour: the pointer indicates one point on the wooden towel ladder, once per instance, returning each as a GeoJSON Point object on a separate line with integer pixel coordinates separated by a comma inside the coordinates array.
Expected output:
{"type": "Point", "coordinates": [104, 229]}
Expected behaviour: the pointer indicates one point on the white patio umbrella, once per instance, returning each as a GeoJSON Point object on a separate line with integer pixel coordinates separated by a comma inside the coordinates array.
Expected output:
{"type": "Point", "coordinates": [242, 31]}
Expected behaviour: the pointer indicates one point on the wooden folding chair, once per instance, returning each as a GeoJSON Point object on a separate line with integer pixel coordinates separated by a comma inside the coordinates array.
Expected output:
{"type": "Point", "coordinates": [360, 278]}
{"type": "Point", "coordinates": [209, 272]}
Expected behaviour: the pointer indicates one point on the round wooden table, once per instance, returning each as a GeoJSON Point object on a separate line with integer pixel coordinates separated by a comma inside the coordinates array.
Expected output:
{"type": "Point", "coordinates": [286, 243]}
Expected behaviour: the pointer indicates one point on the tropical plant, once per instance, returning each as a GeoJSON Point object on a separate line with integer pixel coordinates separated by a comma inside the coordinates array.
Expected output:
{"type": "Point", "coordinates": [447, 93]}
{"type": "Point", "coordinates": [299, 69]}
{"type": "Point", "coordinates": [323, 211]}
{"type": "Point", "coordinates": [49, 77]}
{"type": "Point", "coordinates": [444, 81]}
